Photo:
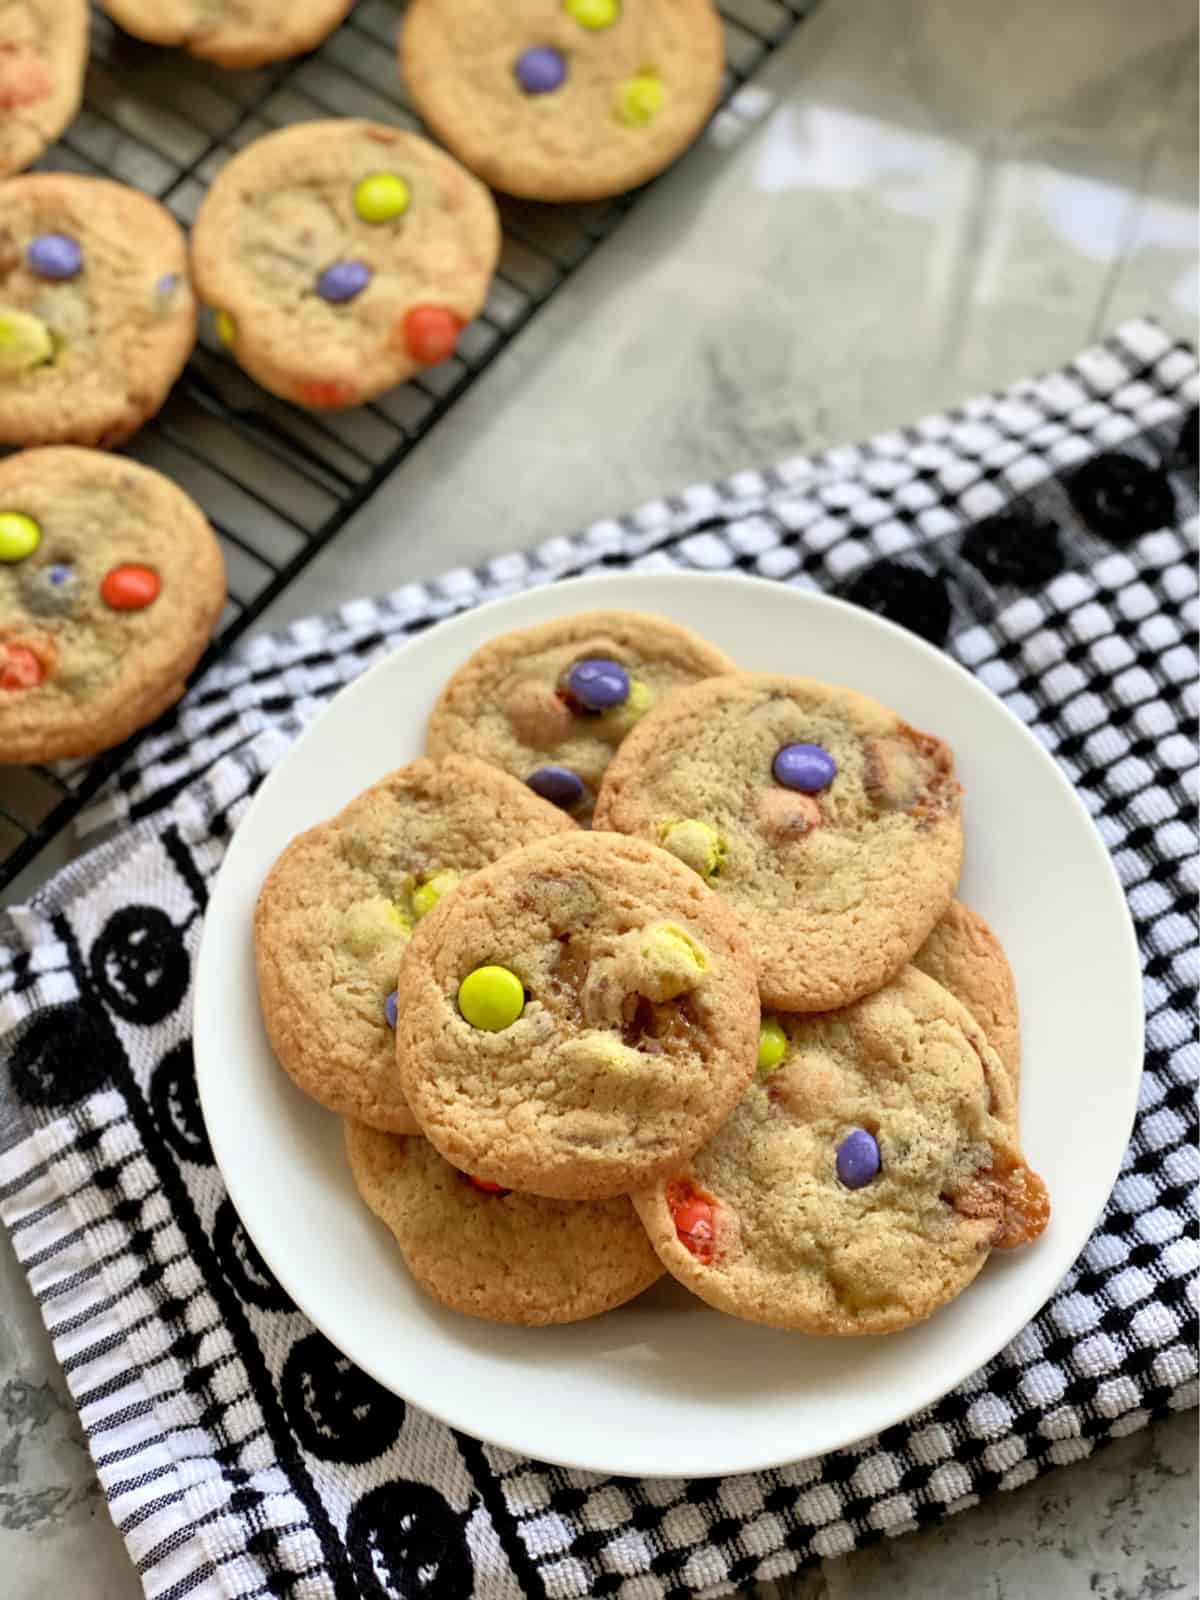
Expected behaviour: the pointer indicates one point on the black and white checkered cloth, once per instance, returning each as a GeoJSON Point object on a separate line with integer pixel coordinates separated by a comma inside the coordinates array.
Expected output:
{"type": "Point", "coordinates": [1047, 538]}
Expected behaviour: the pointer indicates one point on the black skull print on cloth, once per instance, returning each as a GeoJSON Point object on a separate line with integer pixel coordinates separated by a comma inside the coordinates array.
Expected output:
{"type": "Point", "coordinates": [140, 964]}
{"type": "Point", "coordinates": [244, 1266]}
{"type": "Point", "coordinates": [337, 1412]}
{"type": "Point", "coordinates": [177, 1105]}
{"type": "Point", "coordinates": [407, 1543]}
{"type": "Point", "coordinates": [61, 1055]}
{"type": "Point", "coordinates": [1066, 585]}
{"type": "Point", "coordinates": [905, 593]}
{"type": "Point", "coordinates": [1121, 497]}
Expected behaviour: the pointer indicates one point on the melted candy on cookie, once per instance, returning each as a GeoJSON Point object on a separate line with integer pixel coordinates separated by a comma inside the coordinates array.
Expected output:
{"type": "Point", "coordinates": [1010, 1193]}
{"type": "Point", "coordinates": [20, 667]}
{"type": "Point", "coordinates": [327, 394]}
{"type": "Point", "coordinates": [24, 79]}
{"type": "Point", "coordinates": [639, 100]}
{"type": "Point", "coordinates": [692, 1213]}
{"type": "Point", "coordinates": [485, 1186]}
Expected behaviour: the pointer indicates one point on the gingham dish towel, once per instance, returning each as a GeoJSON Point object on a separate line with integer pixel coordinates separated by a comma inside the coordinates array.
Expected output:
{"type": "Point", "coordinates": [1046, 538]}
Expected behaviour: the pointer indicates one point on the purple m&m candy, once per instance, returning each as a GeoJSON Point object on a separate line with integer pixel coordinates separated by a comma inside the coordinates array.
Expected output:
{"type": "Point", "coordinates": [55, 255]}
{"type": "Point", "coordinates": [343, 280]}
{"type": "Point", "coordinates": [540, 70]}
{"type": "Point", "coordinates": [857, 1159]}
{"type": "Point", "coordinates": [806, 767]}
{"type": "Point", "coordinates": [559, 785]}
{"type": "Point", "coordinates": [390, 1009]}
{"type": "Point", "coordinates": [598, 684]}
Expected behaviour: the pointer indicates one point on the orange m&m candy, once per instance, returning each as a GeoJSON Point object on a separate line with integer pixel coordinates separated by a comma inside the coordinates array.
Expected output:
{"type": "Point", "coordinates": [20, 667]}
{"type": "Point", "coordinates": [129, 588]}
{"type": "Point", "coordinates": [430, 333]}
{"type": "Point", "coordinates": [692, 1214]}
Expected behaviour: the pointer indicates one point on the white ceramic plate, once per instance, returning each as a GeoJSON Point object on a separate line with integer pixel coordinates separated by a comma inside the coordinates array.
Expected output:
{"type": "Point", "coordinates": [668, 1387]}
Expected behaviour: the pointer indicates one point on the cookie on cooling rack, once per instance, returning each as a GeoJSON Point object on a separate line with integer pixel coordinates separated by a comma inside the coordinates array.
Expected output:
{"type": "Point", "coordinates": [563, 99]}
{"type": "Point", "coordinates": [111, 582]}
{"type": "Point", "coordinates": [97, 316]}
{"type": "Point", "coordinates": [342, 257]}
{"type": "Point", "coordinates": [43, 53]}
{"type": "Point", "coordinates": [247, 34]}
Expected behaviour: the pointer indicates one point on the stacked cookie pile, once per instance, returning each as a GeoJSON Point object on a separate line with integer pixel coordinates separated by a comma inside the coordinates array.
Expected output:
{"type": "Point", "coordinates": [738, 1028]}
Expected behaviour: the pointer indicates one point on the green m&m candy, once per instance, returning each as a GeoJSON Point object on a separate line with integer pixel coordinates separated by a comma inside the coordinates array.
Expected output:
{"type": "Point", "coordinates": [491, 998]}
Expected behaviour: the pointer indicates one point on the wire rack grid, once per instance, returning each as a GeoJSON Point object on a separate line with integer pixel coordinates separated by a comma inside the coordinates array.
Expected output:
{"type": "Point", "coordinates": [278, 483]}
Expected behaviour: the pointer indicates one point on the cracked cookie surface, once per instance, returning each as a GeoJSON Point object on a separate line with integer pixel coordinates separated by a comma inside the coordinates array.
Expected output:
{"type": "Point", "coordinates": [823, 820]}
{"type": "Point", "coordinates": [861, 1183]}
{"type": "Point", "coordinates": [337, 909]}
{"type": "Point", "coordinates": [342, 257]}
{"type": "Point", "coordinates": [614, 1026]}
{"type": "Point", "coordinates": [512, 702]}
{"type": "Point", "coordinates": [563, 99]}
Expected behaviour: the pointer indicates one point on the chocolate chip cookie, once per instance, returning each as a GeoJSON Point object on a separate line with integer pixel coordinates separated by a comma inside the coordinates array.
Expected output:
{"type": "Point", "coordinates": [233, 33]}
{"type": "Point", "coordinates": [862, 1180]}
{"type": "Point", "coordinates": [341, 257]}
{"type": "Point", "coordinates": [492, 1253]}
{"type": "Point", "coordinates": [577, 1018]}
{"type": "Point", "coordinates": [829, 825]}
{"type": "Point", "coordinates": [97, 316]}
{"type": "Point", "coordinates": [43, 53]}
{"type": "Point", "coordinates": [111, 582]}
{"type": "Point", "coordinates": [551, 703]}
{"type": "Point", "coordinates": [339, 904]}
{"type": "Point", "coordinates": [563, 99]}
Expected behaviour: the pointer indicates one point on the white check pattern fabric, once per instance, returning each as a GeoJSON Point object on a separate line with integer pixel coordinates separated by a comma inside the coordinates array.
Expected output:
{"type": "Point", "coordinates": [1046, 537]}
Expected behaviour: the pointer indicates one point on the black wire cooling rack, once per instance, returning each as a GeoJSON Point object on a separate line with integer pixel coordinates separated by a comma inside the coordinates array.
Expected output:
{"type": "Point", "coordinates": [278, 483]}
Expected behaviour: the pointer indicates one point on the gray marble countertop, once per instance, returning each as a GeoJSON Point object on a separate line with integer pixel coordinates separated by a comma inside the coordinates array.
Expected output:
{"type": "Point", "coordinates": [919, 200]}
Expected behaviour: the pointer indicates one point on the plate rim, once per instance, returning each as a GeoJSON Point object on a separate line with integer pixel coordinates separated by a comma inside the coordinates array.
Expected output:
{"type": "Point", "coordinates": [466, 619]}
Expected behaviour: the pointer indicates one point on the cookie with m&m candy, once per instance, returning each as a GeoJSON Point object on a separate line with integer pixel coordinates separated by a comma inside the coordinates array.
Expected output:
{"type": "Point", "coordinates": [577, 1018]}
{"type": "Point", "coordinates": [111, 582]}
{"type": "Point", "coordinates": [43, 54]}
{"type": "Point", "coordinates": [563, 99]}
{"type": "Point", "coordinates": [828, 824]}
{"type": "Point", "coordinates": [552, 703]}
{"type": "Point", "coordinates": [491, 1252]}
{"type": "Point", "coordinates": [248, 34]}
{"type": "Point", "coordinates": [340, 903]}
{"type": "Point", "coordinates": [97, 316]}
{"type": "Point", "coordinates": [864, 1177]}
{"type": "Point", "coordinates": [340, 258]}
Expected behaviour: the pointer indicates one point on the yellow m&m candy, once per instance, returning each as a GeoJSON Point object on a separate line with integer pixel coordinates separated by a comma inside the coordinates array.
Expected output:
{"type": "Point", "coordinates": [426, 895]}
{"type": "Point", "coordinates": [381, 197]}
{"type": "Point", "coordinates": [592, 13]}
{"type": "Point", "coordinates": [491, 998]}
{"type": "Point", "coordinates": [772, 1045]}
{"type": "Point", "coordinates": [226, 327]}
{"type": "Point", "coordinates": [19, 536]}
{"type": "Point", "coordinates": [25, 342]}
{"type": "Point", "coordinates": [639, 100]}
